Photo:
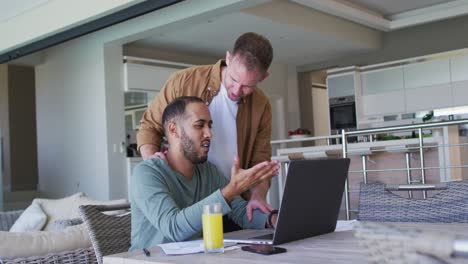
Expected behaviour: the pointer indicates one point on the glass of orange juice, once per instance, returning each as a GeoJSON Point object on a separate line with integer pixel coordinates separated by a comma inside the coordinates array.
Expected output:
{"type": "Point", "coordinates": [212, 220]}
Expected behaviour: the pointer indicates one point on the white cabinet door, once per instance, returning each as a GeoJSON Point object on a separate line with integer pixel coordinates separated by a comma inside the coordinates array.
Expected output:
{"type": "Point", "coordinates": [341, 85]}
{"type": "Point", "coordinates": [428, 98]}
{"type": "Point", "coordinates": [383, 92]}
{"type": "Point", "coordinates": [146, 77]}
{"type": "Point", "coordinates": [459, 68]}
{"type": "Point", "coordinates": [428, 73]}
{"type": "Point", "coordinates": [427, 85]}
{"type": "Point", "coordinates": [382, 81]}
{"type": "Point", "coordinates": [460, 93]}
{"type": "Point", "coordinates": [459, 76]}
{"type": "Point", "coordinates": [383, 103]}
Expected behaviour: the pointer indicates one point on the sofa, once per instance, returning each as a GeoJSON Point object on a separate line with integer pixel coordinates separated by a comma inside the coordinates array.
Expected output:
{"type": "Point", "coordinates": [48, 231]}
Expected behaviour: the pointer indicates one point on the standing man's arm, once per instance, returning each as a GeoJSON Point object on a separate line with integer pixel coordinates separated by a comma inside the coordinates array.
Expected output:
{"type": "Point", "coordinates": [151, 131]}
{"type": "Point", "coordinates": [261, 152]}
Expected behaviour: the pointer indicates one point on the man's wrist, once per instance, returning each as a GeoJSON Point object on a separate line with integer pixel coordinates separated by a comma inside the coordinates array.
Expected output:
{"type": "Point", "coordinates": [270, 217]}
{"type": "Point", "coordinates": [259, 191]}
{"type": "Point", "coordinates": [228, 194]}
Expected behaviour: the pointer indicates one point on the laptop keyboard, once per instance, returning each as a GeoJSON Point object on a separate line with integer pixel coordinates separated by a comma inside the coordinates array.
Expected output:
{"type": "Point", "coordinates": [264, 237]}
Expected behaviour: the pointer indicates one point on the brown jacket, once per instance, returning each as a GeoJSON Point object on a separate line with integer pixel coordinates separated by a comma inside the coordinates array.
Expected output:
{"type": "Point", "coordinates": [253, 116]}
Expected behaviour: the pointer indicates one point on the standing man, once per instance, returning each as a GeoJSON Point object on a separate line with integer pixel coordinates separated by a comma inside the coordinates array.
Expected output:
{"type": "Point", "coordinates": [168, 197]}
{"type": "Point", "coordinates": [241, 112]}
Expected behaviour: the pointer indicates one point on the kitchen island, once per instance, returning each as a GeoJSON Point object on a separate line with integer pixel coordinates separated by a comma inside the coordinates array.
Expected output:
{"type": "Point", "coordinates": [390, 161]}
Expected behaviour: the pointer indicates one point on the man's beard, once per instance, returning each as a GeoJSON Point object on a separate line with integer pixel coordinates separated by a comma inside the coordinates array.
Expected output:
{"type": "Point", "coordinates": [189, 149]}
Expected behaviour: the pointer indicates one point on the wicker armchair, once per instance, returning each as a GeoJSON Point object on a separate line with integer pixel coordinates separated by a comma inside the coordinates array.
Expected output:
{"type": "Point", "coordinates": [110, 234]}
{"type": "Point", "coordinates": [389, 243]}
{"type": "Point", "coordinates": [377, 203]}
{"type": "Point", "coordinates": [78, 256]}
{"type": "Point", "coordinates": [7, 219]}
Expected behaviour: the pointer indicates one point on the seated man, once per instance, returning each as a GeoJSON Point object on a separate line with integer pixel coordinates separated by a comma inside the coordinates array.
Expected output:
{"type": "Point", "coordinates": [167, 197]}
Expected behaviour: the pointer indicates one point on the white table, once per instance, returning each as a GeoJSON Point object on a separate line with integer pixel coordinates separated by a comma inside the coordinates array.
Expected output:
{"type": "Point", "coordinates": [337, 247]}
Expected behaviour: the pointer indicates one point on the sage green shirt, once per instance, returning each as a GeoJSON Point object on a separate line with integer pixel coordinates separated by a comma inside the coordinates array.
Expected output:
{"type": "Point", "coordinates": [166, 207]}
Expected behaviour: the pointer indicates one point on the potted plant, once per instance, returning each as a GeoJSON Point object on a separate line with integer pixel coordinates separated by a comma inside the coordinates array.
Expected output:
{"type": "Point", "coordinates": [299, 133]}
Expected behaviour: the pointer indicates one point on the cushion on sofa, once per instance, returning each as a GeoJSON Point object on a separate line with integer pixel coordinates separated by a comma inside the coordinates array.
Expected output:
{"type": "Point", "coordinates": [39, 243]}
{"type": "Point", "coordinates": [67, 208]}
{"type": "Point", "coordinates": [64, 223]}
{"type": "Point", "coordinates": [55, 209]}
{"type": "Point", "coordinates": [32, 219]}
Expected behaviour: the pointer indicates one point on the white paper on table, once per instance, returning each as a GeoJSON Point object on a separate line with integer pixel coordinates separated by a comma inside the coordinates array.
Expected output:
{"type": "Point", "coordinates": [189, 247]}
{"type": "Point", "coordinates": [345, 225]}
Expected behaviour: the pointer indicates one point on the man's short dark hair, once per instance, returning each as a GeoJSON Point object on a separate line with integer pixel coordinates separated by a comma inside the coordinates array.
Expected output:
{"type": "Point", "coordinates": [255, 51]}
{"type": "Point", "coordinates": [176, 109]}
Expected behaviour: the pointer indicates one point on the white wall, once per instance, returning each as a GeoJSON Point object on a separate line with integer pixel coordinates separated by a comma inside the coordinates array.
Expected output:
{"type": "Point", "coordinates": [115, 126]}
{"type": "Point", "coordinates": [294, 114]}
{"type": "Point", "coordinates": [71, 120]}
{"type": "Point", "coordinates": [281, 88]}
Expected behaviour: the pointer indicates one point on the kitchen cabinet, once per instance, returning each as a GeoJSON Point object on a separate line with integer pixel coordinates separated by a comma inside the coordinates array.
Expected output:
{"type": "Point", "coordinates": [460, 93]}
{"type": "Point", "coordinates": [459, 68]}
{"type": "Point", "coordinates": [382, 92]}
{"type": "Point", "coordinates": [412, 85]}
{"type": "Point", "coordinates": [148, 75]}
{"type": "Point", "coordinates": [459, 77]}
{"type": "Point", "coordinates": [427, 73]}
{"type": "Point", "coordinates": [341, 85]}
{"type": "Point", "coordinates": [427, 85]}
{"type": "Point", "coordinates": [133, 117]}
{"type": "Point", "coordinates": [428, 98]}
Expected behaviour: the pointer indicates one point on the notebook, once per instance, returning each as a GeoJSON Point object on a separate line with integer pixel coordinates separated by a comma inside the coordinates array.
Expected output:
{"type": "Point", "coordinates": [311, 202]}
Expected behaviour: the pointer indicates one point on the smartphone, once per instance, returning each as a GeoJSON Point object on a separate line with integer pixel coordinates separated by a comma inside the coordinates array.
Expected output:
{"type": "Point", "coordinates": [264, 249]}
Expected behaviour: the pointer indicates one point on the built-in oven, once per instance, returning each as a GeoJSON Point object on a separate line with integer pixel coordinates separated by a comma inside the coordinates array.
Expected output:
{"type": "Point", "coordinates": [343, 115]}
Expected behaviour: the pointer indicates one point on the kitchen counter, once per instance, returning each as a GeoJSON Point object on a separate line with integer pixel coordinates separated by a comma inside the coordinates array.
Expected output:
{"type": "Point", "coordinates": [360, 147]}
{"type": "Point", "coordinates": [384, 161]}
{"type": "Point", "coordinates": [130, 164]}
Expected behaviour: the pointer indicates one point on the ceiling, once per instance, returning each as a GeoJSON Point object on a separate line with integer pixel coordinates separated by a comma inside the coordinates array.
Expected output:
{"type": "Point", "coordinates": [13, 8]}
{"type": "Point", "coordinates": [388, 8]}
{"type": "Point", "coordinates": [306, 31]}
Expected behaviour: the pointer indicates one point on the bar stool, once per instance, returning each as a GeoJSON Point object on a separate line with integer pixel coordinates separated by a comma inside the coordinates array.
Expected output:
{"type": "Point", "coordinates": [410, 149]}
{"type": "Point", "coordinates": [364, 153]}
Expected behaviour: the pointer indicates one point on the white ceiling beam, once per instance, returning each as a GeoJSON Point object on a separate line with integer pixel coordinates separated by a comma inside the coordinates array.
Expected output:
{"type": "Point", "coordinates": [429, 14]}
{"type": "Point", "coordinates": [360, 15]}
{"type": "Point", "coordinates": [348, 12]}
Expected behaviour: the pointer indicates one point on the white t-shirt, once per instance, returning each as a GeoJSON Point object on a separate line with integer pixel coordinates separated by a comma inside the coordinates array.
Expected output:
{"type": "Point", "coordinates": [223, 146]}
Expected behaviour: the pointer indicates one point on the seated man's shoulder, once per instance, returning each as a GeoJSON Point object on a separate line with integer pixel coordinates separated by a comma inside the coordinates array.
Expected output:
{"type": "Point", "coordinates": [154, 167]}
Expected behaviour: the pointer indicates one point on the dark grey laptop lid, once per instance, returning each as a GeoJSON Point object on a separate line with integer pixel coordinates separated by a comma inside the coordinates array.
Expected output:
{"type": "Point", "coordinates": [311, 199]}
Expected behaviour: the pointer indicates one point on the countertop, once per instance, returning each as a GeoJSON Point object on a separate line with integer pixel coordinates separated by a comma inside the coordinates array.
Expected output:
{"type": "Point", "coordinates": [361, 147]}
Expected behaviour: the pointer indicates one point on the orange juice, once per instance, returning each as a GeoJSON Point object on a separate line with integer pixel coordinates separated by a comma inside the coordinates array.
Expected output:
{"type": "Point", "coordinates": [213, 231]}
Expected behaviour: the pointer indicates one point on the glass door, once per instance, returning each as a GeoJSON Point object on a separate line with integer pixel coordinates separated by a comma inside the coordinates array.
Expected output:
{"type": "Point", "coordinates": [1, 171]}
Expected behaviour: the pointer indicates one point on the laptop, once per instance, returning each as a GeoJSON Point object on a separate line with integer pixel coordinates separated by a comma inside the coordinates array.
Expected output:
{"type": "Point", "coordinates": [310, 205]}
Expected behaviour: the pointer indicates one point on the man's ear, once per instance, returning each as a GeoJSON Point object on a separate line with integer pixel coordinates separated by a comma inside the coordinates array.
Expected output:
{"type": "Point", "coordinates": [228, 58]}
{"type": "Point", "coordinates": [172, 129]}
{"type": "Point", "coordinates": [265, 75]}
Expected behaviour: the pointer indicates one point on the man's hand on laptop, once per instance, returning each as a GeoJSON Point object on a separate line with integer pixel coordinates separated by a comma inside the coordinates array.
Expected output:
{"type": "Point", "coordinates": [242, 180]}
{"type": "Point", "coordinates": [273, 221]}
{"type": "Point", "coordinates": [257, 200]}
